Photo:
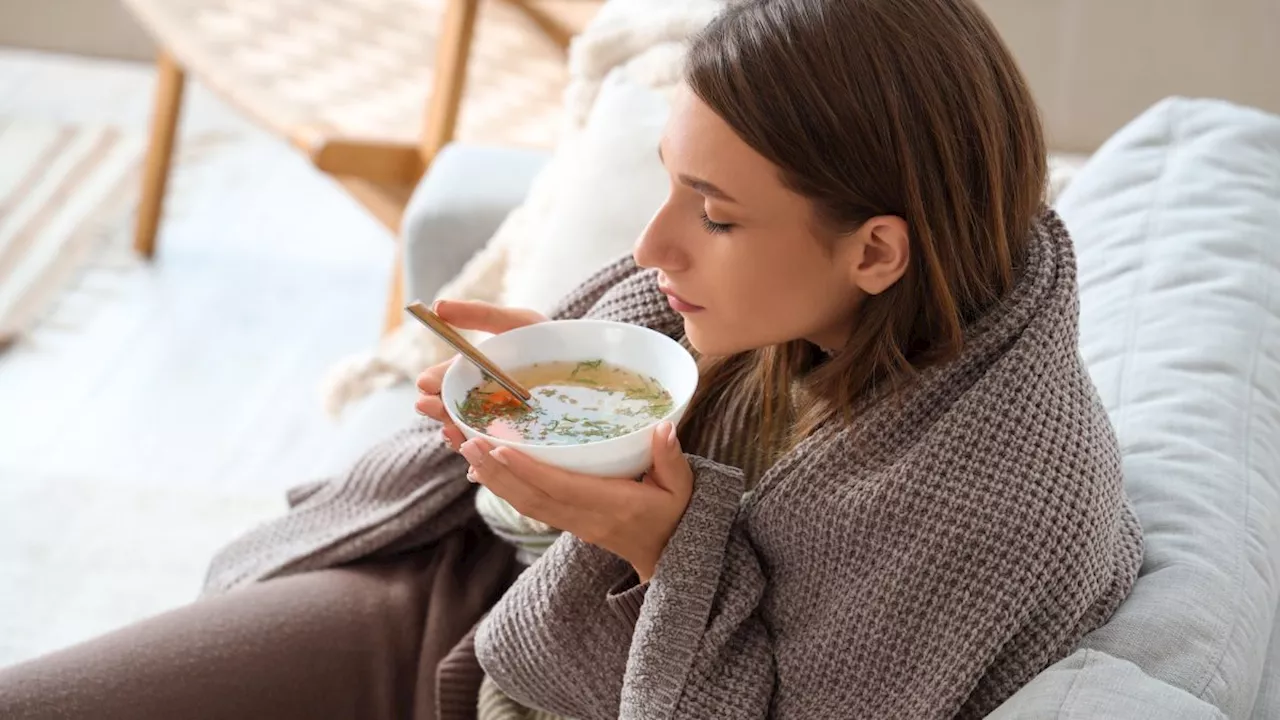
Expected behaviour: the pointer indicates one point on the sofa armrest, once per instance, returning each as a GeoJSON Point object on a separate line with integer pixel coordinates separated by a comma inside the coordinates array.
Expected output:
{"type": "Point", "coordinates": [1092, 685]}
{"type": "Point", "coordinates": [456, 208]}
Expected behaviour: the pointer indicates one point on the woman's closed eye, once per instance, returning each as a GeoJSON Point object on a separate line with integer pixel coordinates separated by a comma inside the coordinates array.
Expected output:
{"type": "Point", "coordinates": [714, 227]}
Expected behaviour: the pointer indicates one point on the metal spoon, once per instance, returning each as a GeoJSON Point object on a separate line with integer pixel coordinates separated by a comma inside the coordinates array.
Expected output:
{"type": "Point", "coordinates": [455, 339]}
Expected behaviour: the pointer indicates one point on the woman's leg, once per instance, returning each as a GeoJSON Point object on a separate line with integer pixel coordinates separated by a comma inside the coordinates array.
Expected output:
{"type": "Point", "coordinates": [341, 643]}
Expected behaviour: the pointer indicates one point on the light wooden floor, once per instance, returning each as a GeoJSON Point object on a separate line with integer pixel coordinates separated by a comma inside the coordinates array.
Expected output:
{"type": "Point", "coordinates": [166, 407]}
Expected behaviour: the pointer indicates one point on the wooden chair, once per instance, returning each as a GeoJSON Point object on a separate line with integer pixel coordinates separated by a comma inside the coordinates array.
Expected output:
{"type": "Point", "coordinates": [343, 81]}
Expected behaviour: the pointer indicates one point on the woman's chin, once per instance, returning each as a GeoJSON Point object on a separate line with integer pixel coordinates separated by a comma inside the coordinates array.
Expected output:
{"type": "Point", "coordinates": [697, 339]}
{"type": "Point", "coordinates": [708, 343]}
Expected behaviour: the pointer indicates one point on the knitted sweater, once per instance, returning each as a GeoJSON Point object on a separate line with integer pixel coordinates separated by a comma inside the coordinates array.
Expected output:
{"type": "Point", "coordinates": [924, 561]}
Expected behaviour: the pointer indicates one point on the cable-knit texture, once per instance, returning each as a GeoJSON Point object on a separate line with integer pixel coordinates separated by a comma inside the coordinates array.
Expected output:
{"type": "Point", "coordinates": [924, 561]}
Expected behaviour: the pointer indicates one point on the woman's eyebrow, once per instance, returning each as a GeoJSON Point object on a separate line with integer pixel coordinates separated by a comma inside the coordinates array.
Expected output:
{"type": "Point", "coordinates": [700, 185]}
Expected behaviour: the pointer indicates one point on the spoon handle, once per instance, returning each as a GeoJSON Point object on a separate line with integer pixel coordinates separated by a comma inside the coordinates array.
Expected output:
{"type": "Point", "coordinates": [455, 339]}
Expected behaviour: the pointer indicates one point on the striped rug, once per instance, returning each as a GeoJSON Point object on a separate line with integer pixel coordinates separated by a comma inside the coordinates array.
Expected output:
{"type": "Point", "coordinates": [66, 195]}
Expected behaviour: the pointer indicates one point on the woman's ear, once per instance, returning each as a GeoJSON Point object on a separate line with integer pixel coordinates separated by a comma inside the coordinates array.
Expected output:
{"type": "Point", "coordinates": [882, 251]}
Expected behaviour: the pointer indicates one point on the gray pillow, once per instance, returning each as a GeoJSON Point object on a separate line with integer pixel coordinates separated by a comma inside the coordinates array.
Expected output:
{"type": "Point", "coordinates": [1177, 226]}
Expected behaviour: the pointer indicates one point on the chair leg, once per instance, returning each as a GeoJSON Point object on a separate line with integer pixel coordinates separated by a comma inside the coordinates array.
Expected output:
{"type": "Point", "coordinates": [164, 125]}
{"type": "Point", "coordinates": [395, 296]}
{"type": "Point", "coordinates": [457, 29]}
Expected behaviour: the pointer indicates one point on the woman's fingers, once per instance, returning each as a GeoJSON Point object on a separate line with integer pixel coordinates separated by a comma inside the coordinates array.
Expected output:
{"type": "Point", "coordinates": [522, 495]}
{"type": "Point", "coordinates": [561, 485]}
{"type": "Point", "coordinates": [671, 470]}
{"type": "Point", "coordinates": [429, 380]}
{"type": "Point", "coordinates": [483, 316]}
{"type": "Point", "coordinates": [431, 406]}
{"type": "Point", "coordinates": [453, 436]}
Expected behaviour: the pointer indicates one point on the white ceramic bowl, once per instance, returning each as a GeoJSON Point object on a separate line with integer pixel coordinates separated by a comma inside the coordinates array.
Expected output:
{"type": "Point", "coordinates": [630, 346]}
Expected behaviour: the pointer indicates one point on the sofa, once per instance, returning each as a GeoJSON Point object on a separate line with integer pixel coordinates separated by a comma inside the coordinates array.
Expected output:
{"type": "Point", "coordinates": [1176, 218]}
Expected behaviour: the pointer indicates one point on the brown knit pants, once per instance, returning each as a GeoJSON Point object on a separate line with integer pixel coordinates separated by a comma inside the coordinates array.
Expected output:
{"type": "Point", "coordinates": [358, 642]}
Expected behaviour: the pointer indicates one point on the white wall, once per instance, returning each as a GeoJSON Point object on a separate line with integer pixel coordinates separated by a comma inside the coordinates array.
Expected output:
{"type": "Point", "coordinates": [101, 28]}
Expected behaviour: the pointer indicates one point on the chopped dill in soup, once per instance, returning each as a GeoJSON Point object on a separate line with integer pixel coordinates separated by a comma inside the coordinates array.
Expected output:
{"type": "Point", "coordinates": [573, 403]}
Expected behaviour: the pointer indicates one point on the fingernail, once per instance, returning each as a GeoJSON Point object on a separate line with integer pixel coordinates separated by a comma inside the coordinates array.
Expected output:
{"type": "Point", "coordinates": [500, 455]}
{"type": "Point", "coordinates": [471, 475]}
{"type": "Point", "coordinates": [672, 439]}
{"type": "Point", "coordinates": [667, 431]}
{"type": "Point", "coordinates": [435, 306]}
{"type": "Point", "coordinates": [472, 453]}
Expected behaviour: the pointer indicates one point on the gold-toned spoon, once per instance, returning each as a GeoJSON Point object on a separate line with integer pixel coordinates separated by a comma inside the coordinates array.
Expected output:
{"type": "Point", "coordinates": [451, 336]}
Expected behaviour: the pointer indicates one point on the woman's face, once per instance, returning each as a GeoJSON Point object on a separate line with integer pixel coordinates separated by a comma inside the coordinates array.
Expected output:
{"type": "Point", "coordinates": [743, 258]}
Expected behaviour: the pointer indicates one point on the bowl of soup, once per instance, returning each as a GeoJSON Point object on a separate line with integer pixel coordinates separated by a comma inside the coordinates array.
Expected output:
{"type": "Point", "coordinates": [599, 389]}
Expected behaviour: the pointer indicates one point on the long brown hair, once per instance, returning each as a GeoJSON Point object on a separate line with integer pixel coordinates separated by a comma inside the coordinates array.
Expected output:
{"type": "Point", "coordinates": [913, 108]}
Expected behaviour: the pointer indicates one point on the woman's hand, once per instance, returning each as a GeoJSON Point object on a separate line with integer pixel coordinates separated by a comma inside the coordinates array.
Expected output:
{"type": "Point", "coordinates": [633, 520]}
{"type": "Point", "coordinates": [467, 315]}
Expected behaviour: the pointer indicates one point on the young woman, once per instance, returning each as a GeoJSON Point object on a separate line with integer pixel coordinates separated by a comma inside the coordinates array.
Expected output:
{"type": "Point", "coordinates": [894, 495]}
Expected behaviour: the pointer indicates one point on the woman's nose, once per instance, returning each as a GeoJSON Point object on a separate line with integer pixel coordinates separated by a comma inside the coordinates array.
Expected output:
{"type": "Point", "coordinates": [657, 247]}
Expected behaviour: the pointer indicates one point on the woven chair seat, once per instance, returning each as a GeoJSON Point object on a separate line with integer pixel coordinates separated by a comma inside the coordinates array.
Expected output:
{"type": "Point", "coordinates": [362, 68]}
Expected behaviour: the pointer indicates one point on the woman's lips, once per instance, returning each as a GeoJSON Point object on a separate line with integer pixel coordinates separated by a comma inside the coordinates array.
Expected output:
{"type": "Point", "coordinates": [678, 303]}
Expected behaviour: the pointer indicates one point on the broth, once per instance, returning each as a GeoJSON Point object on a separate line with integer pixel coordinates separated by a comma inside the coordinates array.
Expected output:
{"type": "Point", "coordinates": [573, 403]}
